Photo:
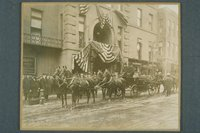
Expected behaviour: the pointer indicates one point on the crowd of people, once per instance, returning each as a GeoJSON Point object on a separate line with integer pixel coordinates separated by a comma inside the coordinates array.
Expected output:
{"type": "Point", "coordinates": [33, 85]}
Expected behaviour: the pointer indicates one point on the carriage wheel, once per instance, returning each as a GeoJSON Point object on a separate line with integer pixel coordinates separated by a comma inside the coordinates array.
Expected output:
{"type": "Point", "coordinates": [151, 90]}
{"type": "Point", "coordinates": [119, 92]}
{"type": "Point", "coordinates": [134, 91]}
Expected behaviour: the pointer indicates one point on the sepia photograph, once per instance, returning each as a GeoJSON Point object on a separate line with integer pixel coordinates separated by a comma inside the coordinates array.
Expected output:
{"type": "Point", "coordinates": [100, 66]}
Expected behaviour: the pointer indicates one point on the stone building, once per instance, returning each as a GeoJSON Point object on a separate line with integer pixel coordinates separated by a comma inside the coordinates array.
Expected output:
{"type": "Point", "coordinates": [53, 34]}
{"type": "Point", "coordinates": [168, 40]}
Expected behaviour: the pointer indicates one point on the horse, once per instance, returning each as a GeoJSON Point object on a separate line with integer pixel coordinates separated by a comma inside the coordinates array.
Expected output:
{"type": "Point", "coordinates": [63, 89]}
{"type": "Point", "coordinates": [113, 86]}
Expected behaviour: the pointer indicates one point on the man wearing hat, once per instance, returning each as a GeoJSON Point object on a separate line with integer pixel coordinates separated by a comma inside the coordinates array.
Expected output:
{"type": "Point", "coordinates": [168, 83]}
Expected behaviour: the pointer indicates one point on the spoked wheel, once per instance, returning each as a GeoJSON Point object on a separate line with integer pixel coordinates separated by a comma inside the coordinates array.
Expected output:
{"type": "Point", "coordinates": [151, 90]}
{"type": "Point", "coordinates": [119, 92]}
{"type": "Point", "coordinates": [134, 91]}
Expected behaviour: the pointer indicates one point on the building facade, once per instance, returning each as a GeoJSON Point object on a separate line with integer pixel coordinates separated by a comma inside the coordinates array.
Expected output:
{"type": "Point", "coordinates": [53, 34]}
{"type": "Point", "coordinates": [168, 40]}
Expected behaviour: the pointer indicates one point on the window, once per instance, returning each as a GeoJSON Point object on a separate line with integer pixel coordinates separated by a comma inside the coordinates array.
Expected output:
{"type": "Point", "coordinates": [173, 28]}
{"type": "Point", "coordinates": [120, 29]}
{"type": "Point", "coordinates": [151, 21]}
{"type": "Point", "coordinates": [36, 26]}
{"type": "Point", "coordinates": [168, 27]}
{"type": "Point", "coordinates": [139, 48]}
{"type": "Point", "coordinates": [119, 32]}
{"type": "Point", "coordinates": [81, 31]}
{"type": "Point", "coordinates": [150, 52]}
{"type": "Point", "coordinates": [139, 17]}
{"type": "Point", "coordinates": [160, 48]}
{"type": "Point", "coordinates": [29, 66]}
{"type": "Point", "coordinates": [61, 25]}
{"type": "Point", "coordinates": [171, 50]}
{"type": "Point", "coordinates": [161, 25]}
{"type": "Point", "coordinates": [167, 50]}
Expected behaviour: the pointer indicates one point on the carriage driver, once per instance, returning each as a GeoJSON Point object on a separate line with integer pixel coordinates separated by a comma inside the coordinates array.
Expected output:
{"type": "Point", "coordinates": [74, 80]}
{"type": "Point", "coordinates": [106, 77]}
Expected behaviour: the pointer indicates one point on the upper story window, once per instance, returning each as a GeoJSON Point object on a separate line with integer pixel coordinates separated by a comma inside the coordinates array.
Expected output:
{"type": "Point", "coordinates": [36, 26]}
{"type": "Point", "coordinates": [160, 48]}
{"type": "Point", "coordinates": [161, 25]}
{"type": "Point", "coordinates": [168, 27]}
{"type": "Point", "coordinates": [150, 51]}
{"type": "Point", "coordinates": [120, 36]}
{"type": "Point", "coordinates": [139, 17]}
{"type": "Point", "coordinates": [173, 28]}
{"type": "Point", "coordinates": [36, 19]}
{"type": "Point", "coordinates": [151, 21]}
{"type": "Point", "coordinates": [81, 31]}
{"type": "Point", "coordinates": [167, 50]}
{"type": "Point", "coordinates": [176, 30]}
{"type": "Point", "coordinates": [139, 48]}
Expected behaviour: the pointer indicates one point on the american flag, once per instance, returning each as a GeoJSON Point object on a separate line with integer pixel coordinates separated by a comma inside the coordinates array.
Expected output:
{"type": "Point", "coordinates": [82, 58]}
{"type": "Point", "coordinates": [83, 8]}
{"type": "Point", "coordinates": [103, 18]}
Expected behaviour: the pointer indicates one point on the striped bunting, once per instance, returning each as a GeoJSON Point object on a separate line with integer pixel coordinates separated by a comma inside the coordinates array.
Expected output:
{"type": "Point", "coordinates": [106, 52]}
{"type": "Point", "coordinates": [82, 58]}
{"type": "Point", "coordinates": [83, 8]}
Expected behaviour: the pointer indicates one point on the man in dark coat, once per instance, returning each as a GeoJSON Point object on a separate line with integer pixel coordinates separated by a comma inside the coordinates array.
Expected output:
{"type": "Point", "coordinates": [168, 83]}
{"type": "Point", "coordinates": [26, 86]}
{"type": "Point", "coordinates": [106, 78]}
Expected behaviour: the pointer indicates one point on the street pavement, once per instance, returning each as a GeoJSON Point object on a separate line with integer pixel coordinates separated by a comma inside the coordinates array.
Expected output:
{"type": "Point", "coordinates": [157, 112]}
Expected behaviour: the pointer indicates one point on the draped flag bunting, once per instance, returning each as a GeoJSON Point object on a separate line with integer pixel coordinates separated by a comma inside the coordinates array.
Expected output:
{"type": "Point", "coordinates": [103, 18]}
{"type": "Point", "coordinates": [106, 52]}
{"type": "Point", "coordinates": [83, 8]}
{"type": "Point", "coordinates": [82, 58]}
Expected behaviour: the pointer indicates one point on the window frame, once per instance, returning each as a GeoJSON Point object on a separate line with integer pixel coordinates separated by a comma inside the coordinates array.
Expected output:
{"type": "Point", "coordinates": [151, 18]}
{"type": "Point", "coordinates": [139, 17]}
{"type": "Point", "coordinates": [139, 48]}
{"type": "Point", "coordinates": [35, 65]}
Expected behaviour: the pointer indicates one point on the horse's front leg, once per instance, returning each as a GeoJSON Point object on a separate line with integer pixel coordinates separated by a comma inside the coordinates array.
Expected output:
{"type": "Point", "coordinates": [103, 93]}
{"type": "Point", "coordinates": [62, 100]}
{"type": "Point", "coordinates": [65, 99]}
{"type": "Point", "coordinates": [88, 96]}
{"type": "Point", "coordinates": [93, 95]}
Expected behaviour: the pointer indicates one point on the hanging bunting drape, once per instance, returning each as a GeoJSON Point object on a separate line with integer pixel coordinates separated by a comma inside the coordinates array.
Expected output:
{"type": "Point", "coordinates": [106, 52]}
{"type": "Point", "coordinates": [81, 59]}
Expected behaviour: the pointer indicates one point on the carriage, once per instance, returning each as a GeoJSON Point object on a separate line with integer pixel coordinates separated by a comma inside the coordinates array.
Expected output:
{"type": "Point", "coordinates": [141, 84]}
